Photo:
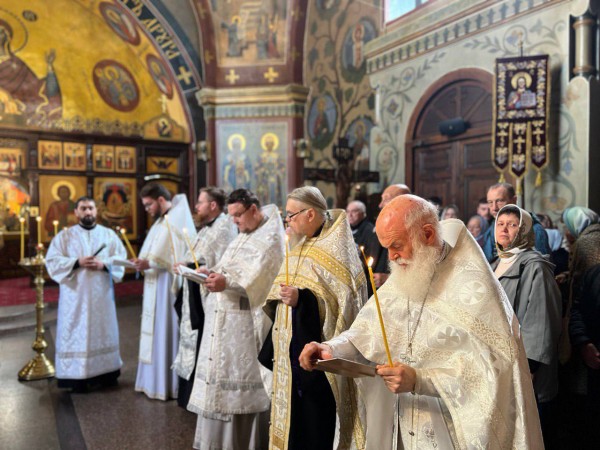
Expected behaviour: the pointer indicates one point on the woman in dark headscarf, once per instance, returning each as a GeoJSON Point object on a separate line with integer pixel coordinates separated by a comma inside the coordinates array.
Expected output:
{"type": "Point", "coordinates": [528, 280]}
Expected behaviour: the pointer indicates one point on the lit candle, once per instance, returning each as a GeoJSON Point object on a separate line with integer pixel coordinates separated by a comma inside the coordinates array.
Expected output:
{"type": "Point", "coordinates": [170, 238]}
{"type": "Point", "coordinates": [287, 272]}
{"type": "Point", "coordinates": [362, 250]}
{"type": "Point", "coordinates": [123, 232]}
{"type": "Point", "coordinates": [22, 221]}
{"type": "Point", "coordinates": [39, 229]}
{"type": "Point", "coordinates": [385, 341]}
{"type": "Point", "coordinates": [55, 223]}
{"type": "Point", "coordinates": [189, 244]}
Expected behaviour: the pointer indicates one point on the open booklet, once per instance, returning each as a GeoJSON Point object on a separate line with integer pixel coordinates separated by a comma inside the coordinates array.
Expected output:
{"type": "Point", "coordinates": [192, 274]}
{"type": "Point", "coordinates": [345, 367]}
{"type": "Point", "coordinates": [123, 262]}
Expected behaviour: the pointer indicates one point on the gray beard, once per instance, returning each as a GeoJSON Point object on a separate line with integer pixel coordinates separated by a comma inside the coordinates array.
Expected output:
{"type": "Point", "coordinates": [414, 280]}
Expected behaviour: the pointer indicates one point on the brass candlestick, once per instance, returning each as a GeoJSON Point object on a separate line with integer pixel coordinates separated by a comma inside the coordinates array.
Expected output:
{"type": "Point", "coordinates": [39, 367]}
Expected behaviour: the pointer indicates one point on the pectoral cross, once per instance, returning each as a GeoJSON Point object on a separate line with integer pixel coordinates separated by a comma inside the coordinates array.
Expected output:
{"type": "Point", "coordinates": [406, 358]}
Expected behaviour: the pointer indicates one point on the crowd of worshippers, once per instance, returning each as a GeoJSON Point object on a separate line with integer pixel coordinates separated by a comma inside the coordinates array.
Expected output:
{"type": "Point", "coordinates": [479, 320]}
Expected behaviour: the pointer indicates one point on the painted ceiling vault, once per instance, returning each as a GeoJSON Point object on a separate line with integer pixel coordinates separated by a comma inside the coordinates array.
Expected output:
{"type": "Point", "coordinates": [93, 70]}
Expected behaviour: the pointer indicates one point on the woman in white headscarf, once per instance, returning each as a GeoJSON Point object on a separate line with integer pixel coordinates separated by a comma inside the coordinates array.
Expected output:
{"type": "Point", "coordinates": [528, 280]}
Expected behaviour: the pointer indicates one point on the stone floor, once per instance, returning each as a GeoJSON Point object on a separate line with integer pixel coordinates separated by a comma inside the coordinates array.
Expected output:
{"type": "Point", "coordinates": [36, 415]}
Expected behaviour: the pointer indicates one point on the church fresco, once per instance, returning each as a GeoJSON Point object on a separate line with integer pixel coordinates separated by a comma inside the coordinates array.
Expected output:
{"type": "Point", "coordinates": [254, 156]}
{"type": "Point", "coordinates": [322, 118]}
{"type": "Point", "coordinates": [57, 201]}
{"type": "Point", "coordinates": [342, 100]}
{"type": "Point", "coordinates": [123, 86]}
{"type": "Point", "coordinates": [250, 31]}
{"type": "Point", "coordinates": [117, 204]}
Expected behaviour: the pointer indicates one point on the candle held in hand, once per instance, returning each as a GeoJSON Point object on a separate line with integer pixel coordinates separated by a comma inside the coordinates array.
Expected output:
{"type": "Point", "coordinates": [189, 244]}
{"type": "Point", "coordinates": [123, 232]}
{"type": "Point", "coordinates": [171, 238]}
{"type": "Point", "coordinates": [385, 341]}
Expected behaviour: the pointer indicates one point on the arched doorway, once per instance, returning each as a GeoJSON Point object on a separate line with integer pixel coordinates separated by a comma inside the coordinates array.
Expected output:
{"type": "Point", "coordinates": [455, 167]}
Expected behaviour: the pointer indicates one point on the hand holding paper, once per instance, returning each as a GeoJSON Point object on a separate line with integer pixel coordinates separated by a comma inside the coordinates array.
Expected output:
{"type": "Point", "coordinates": [311, 353]}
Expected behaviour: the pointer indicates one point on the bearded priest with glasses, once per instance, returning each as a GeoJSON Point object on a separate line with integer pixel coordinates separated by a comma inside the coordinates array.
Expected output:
{"type": "Point", "coordinates": [316, 295]}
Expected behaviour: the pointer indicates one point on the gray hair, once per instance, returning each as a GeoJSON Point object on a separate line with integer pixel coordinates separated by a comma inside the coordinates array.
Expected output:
{"type": "Point", "coordinates": [422, 212]}
{"type": "Point", "coordinates": [360, 205]}
{"type": "Point", "coordinates": [311, 197]}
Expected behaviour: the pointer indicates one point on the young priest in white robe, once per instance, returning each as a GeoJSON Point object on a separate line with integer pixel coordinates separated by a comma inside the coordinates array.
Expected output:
{"type": "Point", "coordinates": [87, 333]}
{"type": "Point", "coordinates": [159, 335]}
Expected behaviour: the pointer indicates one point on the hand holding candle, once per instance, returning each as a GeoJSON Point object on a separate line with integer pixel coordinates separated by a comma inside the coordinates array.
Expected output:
{"type": "Point", "coordinates": [171, 238]}
{"type": "Point", "coordinates": [123, 232]}
{"type": "Point", "coordinates": [385, 341]}
{"type": "Point", "coordinates": [189, 244]}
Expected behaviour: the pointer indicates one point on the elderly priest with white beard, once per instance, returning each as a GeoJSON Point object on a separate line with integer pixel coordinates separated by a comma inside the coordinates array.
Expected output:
{"type": "Point", "coordinates": [460, 377]}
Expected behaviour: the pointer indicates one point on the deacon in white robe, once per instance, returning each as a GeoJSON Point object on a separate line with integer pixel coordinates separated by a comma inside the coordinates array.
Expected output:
{"type": "Point", "coordinates": [216, 233]}
{"type": "Point", "coordinates": [460, 377]}
{"type": "Point", "coordinates": [228, 393]}
{"type": "Point", "coordinates": [159, 336]}
{"type": "Point", "coordinates": [87, 333]}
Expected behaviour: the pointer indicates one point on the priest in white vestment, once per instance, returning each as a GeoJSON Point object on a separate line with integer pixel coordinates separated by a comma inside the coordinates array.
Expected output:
{"type": "Point", "coordinates": [228, 393]}
{"type": "Point", "coordinates": [87, 333]}
{"type": "Point", "coordinates": [216, 233]}
{"type": "Point", "coordinates": [159, 335]}
{"type": "Point", "coordinates": [460, 377]}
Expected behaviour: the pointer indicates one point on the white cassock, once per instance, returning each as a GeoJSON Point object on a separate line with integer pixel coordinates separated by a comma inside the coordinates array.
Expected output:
{"type": "Point", "coordinates": [473, 388]}
{"type": "Point", "coordinates": [228, 393]}
{"type": "Point", "coordinates": [87, 332]}
{"type": "Point", "coordinates": [159, 336]}
{"type": "Point", "coordinates": [208, 247]}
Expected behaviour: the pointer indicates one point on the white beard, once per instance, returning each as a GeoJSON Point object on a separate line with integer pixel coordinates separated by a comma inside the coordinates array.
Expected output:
{"type": "Point", "coordinates": [414, 279]}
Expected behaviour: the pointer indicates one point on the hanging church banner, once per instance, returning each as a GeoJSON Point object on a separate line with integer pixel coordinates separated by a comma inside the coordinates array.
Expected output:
{"type": "Point", "coordinates": [521, 116]}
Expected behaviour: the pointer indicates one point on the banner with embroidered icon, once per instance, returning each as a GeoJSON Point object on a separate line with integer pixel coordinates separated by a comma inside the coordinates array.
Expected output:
{"type": "Point", "coordinates": [521, 111]}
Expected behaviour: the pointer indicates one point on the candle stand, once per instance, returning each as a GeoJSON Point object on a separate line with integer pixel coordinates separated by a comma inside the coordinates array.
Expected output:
{"type": "Point", "coordinates": [39, 367]}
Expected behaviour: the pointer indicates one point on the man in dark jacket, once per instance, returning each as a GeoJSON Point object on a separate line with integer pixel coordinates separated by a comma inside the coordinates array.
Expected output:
{"type": "Point", "coordinates": [364, 235]}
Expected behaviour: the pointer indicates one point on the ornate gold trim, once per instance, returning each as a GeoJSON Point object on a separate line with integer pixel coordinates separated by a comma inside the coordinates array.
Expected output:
{"type": "Point", "coordinates": [294, 93]}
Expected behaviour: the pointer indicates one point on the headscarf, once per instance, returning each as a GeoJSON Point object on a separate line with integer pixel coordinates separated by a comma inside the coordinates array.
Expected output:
{"type": "Point", "coordinates": [578, 218]}
{"type": "Point", "coordinates": [484, 224]}
{"type": "Point", "coordinates": [525, 238]}
{"type": "Point", "coordinates": [454, 207]}
{"type": "Point", "coordinates": [555, 239]}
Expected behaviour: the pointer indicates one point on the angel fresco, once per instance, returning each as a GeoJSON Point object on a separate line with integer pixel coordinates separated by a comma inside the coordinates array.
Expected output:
{"type": "Point", "coordinates": [37, 100]}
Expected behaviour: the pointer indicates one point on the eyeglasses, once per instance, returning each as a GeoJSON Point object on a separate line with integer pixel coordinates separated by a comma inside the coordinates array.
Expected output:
{"type": "Point", "coordinates": [288, 217]}
{"type": "Point", "coordinates": [147, 205]}
{"type": "Point", "coordinates": [240, 214]}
